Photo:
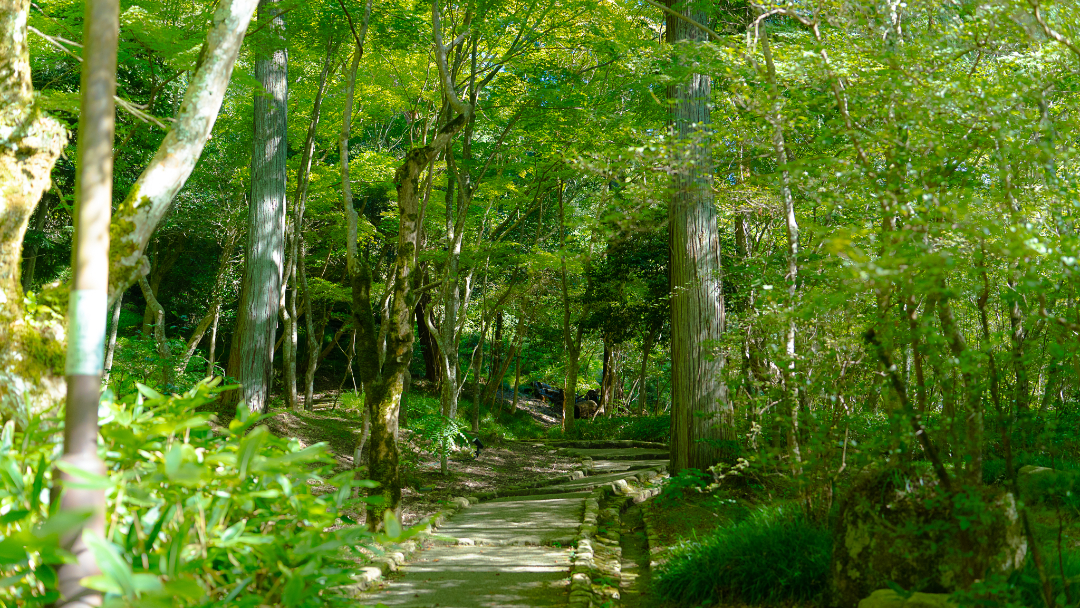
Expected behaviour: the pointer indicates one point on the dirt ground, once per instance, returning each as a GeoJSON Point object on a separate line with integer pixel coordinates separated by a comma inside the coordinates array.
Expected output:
{"type": "Point", "coordinates": [501, 464]}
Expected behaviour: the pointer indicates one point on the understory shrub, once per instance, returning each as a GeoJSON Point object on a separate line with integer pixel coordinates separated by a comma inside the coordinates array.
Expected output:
{"type": "Point", "coordinates": [775, 555]}
{"type": "Point", "coordinates": [196, 516]}
{"type": "Point", "coordinates": [637, 428]}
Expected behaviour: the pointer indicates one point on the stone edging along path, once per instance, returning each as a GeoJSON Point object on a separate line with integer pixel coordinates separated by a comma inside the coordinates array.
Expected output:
{"type": "Point", "coordinates": [522, 546]}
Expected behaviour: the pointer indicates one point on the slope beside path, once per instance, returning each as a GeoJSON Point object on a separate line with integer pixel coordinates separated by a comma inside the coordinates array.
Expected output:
{"type": "Point", "coordinates": [525, 547]}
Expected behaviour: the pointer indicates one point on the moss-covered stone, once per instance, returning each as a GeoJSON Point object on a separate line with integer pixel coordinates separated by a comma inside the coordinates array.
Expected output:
{"type": "Point", "coordinates": [902, 528]}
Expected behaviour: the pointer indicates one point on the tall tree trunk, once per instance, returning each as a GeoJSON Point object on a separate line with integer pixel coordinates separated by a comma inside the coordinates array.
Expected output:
{"type": "Point", "coordinates": [384, 381]}
{"type": "Point", "coordinates": [701, 409]}
{"type": "Point", "coordinates": [88, 305]}
{"type": "Point", "coordinates": [289, 338]}
{"type": "Point", "coordinates": [517, 378]}
{"type": "Point", "coordinates": [384, 357]}
{"type": "Point", "coordinates": [252, 356]}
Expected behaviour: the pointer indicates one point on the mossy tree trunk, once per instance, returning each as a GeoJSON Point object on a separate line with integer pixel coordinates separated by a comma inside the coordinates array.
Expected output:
{"type": "Point", "coordinates": [32, 356]}
{"type": "Point", "coordinates": [383, 356]}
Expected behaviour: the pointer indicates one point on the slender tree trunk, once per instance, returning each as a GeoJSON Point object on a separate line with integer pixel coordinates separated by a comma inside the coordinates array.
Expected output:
{"type": "Point", "coordinates": [312, 339]}
{"type": "Point", "coordinates": [517, 379]}
{"type": "Point", "coordinates": [88, 304]}
{"type": "Point", "coordinates": [700, 407]}
{"type": "Point", "coordinates": [161, 344]}
{"type": "Point", "coordinates": [31, 253]}
{"type": "Point", "coordinates": [110, 348]}
{"type": "Point", "coordinates": [790, 398]}
{"type": "Point", "coordinates": [428, 346]}
{"type": "Point", "coordinates": [210, 359]}
{"type": "Point", "coordinates": [478, 368]}
{"type": "Point", "coordinates": [252, 356]}
{"type": "Point", "coordinates": [646, 349]}
{"type": "Point", "coordinates": [295, 235]}
{"type": "Point", "coordinates": [571, 345]}
{"type": "Point", "coordinates": [289, 336]}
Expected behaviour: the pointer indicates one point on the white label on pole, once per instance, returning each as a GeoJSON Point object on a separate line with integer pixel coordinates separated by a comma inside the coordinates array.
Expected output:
{"type": "Point", "coordinates": [87, 312]}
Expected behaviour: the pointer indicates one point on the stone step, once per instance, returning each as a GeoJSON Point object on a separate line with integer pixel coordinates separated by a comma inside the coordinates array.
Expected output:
{"type": "Point", "coordinates": [616, 453]}
{"type": "Point", "coordinates": [478, 577]}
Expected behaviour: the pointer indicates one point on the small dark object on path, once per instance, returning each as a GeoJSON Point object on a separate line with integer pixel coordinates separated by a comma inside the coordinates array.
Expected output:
{"type": "Point", "coordinates": [479, 446]}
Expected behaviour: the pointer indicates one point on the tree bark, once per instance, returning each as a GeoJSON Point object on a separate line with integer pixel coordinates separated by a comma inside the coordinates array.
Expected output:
{"type": "Point", "coordinates": [312, 339]}
{"type": "Point", "coordinates": [160, 343]}
{"type": "Point", "coordinates": [210, 359]}
{"type": "Point", "coordinates": [30, 142]}
{"type": "Point", "coordinates": [252, 356]}
{"type": "Point", "coordinates": [31, 253]}
{"type": "Point", "coordinates": [701, 409]}
{"type": "Point", "coordinates": [110, 348]}
{"type": "Point", "coordinates": [428, 346]}
{"type": "Point", "coordinates": [150, 198]}
{"type": "Point", "coordinates": [161, 262]}
{"type": "Point", "coordinates": [88, 305]}
{"type": "Point", "coordinates": [517, 378]}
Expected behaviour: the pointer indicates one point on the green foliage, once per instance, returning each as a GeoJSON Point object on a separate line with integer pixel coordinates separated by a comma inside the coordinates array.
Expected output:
{"type": "Point", "coordinates": [638, 428]}
{"type": "Point", "coordinates": [197, 514]}
{"type": "Point", "coordinates": [437, 433]}
{"type": "Point", "coordinates": [774, 556]}
{"type": "Point", "coordinates": [676, 488]}
{"type": "Point", "coordinates": [137, 359]}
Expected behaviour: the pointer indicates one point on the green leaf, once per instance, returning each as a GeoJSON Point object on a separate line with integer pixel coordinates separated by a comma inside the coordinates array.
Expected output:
{"type": "Point", "coordinates": [249, 448]}
{"type": "Point", "coordinates": [39, 484]}
{"type": "Point", "coordinates": [83, 480]}
{"type": "Point", "coordinates": [148, 392]}
{"type": "Point", "coordinates": [7, 436]}
{"type": "Point", "coordinates": [13, 516]}
{"type": "Point", "coordinates": [12, 551]}
{"type": "Point", "coordinates": [391, 523]}
{"type": "Point", "coordinates": [112, 564]}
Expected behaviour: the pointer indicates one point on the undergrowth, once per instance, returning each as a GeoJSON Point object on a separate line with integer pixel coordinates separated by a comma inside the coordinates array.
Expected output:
{"type": "Point", "coordinates": [775, 555]}
{"type": "Point", "coordinates": [637, 428]}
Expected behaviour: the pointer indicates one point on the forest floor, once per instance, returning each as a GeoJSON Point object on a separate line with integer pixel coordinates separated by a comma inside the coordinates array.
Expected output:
{"type": "Point", "coordinates": [501, 463]}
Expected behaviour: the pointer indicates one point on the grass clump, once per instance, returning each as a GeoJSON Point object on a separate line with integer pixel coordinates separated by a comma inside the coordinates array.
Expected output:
{"type": "Point", "coordinates": [775, 555]}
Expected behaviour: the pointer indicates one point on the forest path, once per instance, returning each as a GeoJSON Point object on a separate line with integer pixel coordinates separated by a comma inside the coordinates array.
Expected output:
{"type": "Point", "coordinates": [517, 549]}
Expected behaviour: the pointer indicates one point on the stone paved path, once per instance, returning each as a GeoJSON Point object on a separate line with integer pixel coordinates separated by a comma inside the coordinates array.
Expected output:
{"type": "Point", "coordinates": [515, 551]}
